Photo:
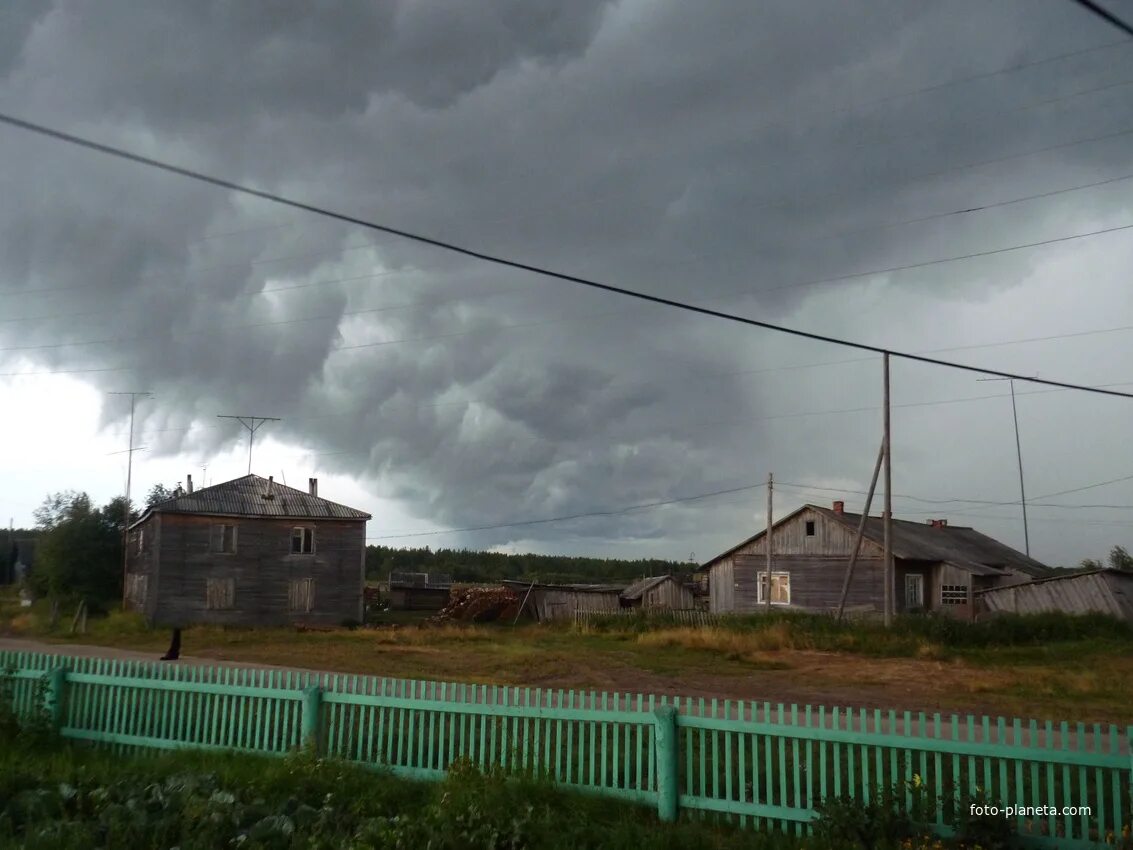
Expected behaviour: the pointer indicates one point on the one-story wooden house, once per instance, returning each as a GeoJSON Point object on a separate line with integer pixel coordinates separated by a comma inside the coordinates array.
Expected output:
{"type": "Point", "coordinates": [664, 592]}
{"type": "Point", "coordinates": [1103, 591]}
{"type": "Point", "coordinates": [247, 552]}
{"type": "Point", "coordinates": [937, 567]}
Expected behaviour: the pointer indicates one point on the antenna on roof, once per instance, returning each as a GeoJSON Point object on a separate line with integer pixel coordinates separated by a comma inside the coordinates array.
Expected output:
{"type": "Point", "coordinates": [253, 424]}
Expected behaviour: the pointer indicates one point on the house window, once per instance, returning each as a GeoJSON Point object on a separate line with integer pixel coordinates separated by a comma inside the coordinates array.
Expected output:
{"type": "Point", "coordinates": [780, 588]}
{"type": "Point", "coordinates": [220, 593]}
{"type": "Point", "coordinates": [301, 595]}
{"type": "Point", "coordinates": [810, 528]}
{"type": "Point", "coordinates": [223, 539]}
{"type": "Point", "coordinates": [954, 594]}
{"type": "Point", "coordinates": [302, 541]}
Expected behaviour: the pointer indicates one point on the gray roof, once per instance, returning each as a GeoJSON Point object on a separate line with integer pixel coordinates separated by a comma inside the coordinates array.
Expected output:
{"type": "Point", "coordinates": [639, 588]}
{"type": "Point", "coordinates": [246, 497]}
{"type": "Point", "coordinates": [963, 547]}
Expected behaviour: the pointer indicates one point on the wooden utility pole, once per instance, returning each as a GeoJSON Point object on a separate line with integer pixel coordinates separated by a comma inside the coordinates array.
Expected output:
{"type": "Point", "coordinates": [887, 521]}
{"type": "Point", "coordinates": [767, 537]}
{"type": "Point", "coordinates": [129, 480]}
{"type": "Point", "coordinates": [861, 532]}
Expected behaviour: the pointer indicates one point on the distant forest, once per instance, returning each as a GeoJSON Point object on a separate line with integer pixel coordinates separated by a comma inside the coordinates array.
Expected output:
{"type": "Point", "coordinates": [471, 566]}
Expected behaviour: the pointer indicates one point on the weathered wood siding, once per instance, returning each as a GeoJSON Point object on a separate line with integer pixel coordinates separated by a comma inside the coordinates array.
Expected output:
{"type": "Point", "coordinates": [669, 594]}
{"type": "Point", "coordinates": [552, 603]}
{"type": "Point", "coordinates": [419, 598]}
{"type": "Point", "coordinates": [262, 568]}
{"type": "Point", "coordinates": [816, 582]}
{"type": "Point", "coordinates": [141, 566]}
{"type": "Point", "coordinates": [948, 576]}
{"type": "Point", "coordinates": [1100, 593]}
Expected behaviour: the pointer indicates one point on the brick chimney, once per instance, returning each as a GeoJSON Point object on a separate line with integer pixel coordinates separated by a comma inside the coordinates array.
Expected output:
{"type": "Point", "coordinates": [270, 494]}
{"type": "Point", "coordinates": [313, 486]}
{"type": "Point", "coordinates": [189, 483]}
{"type": "Point", "coordinates": [938, 523]}
{"type": "Point", "coordinates": [839, 507]}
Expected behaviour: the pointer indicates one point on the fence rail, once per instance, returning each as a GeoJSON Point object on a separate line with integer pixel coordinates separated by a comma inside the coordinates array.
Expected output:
{"type": "Point", "coordinates": [675, 616]}
{"type": "Point", "coordinates": [756, 762]}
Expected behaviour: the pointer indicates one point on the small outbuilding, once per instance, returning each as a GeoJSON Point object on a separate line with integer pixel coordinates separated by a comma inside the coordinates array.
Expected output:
{"type": "Point", "coordinates": [563, 601]}
{"type": "Point", "coordinates": [658, 592]}
{"type": "Point", "coordinates": [419, 591]}
{"type": "Point", "coordinates": [247, 552]}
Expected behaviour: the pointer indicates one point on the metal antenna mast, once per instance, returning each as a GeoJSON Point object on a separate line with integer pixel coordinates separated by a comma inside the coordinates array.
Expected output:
{"type": "Point", "coordinates": [1019, 455]}
{"type": "Point", "coordinates": [253, 424]}
{"type": "Point", "coordinates": [129, 480]}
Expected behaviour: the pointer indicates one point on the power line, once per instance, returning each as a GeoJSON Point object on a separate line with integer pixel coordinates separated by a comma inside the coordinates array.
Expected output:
{"type": "Point", "coordinates": [528, 267]}
{"type": "Point", "coordinates": [1106, 15]}
{"type": "Point", "coordinates": [615, 512]}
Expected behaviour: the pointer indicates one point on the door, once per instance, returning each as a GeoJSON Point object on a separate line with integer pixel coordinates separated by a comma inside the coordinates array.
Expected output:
{"type": "Point", "coordinates": [914, 592]}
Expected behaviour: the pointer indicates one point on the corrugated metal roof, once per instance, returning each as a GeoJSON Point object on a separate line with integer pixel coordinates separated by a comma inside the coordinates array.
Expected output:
{"type": "Point", "coordinates": [246, 497]}
{"type": "Point", "coordinates": [914, 541]}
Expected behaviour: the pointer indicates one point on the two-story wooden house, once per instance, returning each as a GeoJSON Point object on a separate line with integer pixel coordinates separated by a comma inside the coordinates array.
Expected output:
{"type": "Point", "coordinates": [247, 552]}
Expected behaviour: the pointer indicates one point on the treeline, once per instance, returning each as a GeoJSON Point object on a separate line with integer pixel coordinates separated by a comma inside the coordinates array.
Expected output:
{"type": "Point", "coordinates": [471, 566]}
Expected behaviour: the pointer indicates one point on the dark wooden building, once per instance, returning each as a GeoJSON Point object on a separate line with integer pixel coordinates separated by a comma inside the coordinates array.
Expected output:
{"type": "Point", "coordinates": [937, 567]}
{"type": "Point", "coordinates": [247, 552]}
{"type": "Point", "coordinates": [658, 593]}
{"type": "Point", "coordinates": [419, 591]}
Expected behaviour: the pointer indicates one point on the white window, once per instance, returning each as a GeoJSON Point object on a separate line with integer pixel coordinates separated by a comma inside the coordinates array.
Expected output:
{"type": "Point", "coordinates": [223, 539]}
{"type": "Point", "coordinates": [302, 541]}
{"type": "Point", "coordinates": [780, 588]}
{"type": "Point", "coordinates": [220, 593]}
{"type": "Point", "coordinates": [301, 595]}
{"type": "Point", "coordinates": [954, 594]}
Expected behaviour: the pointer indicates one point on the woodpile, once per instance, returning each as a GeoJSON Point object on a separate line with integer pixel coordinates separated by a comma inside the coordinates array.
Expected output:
{"type": "Point", "coordinates": [479, 605]}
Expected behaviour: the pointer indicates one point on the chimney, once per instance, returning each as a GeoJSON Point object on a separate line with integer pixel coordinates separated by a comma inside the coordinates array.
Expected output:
{"type": "Point", "coordinates": [271, 486]}
{"type": "Point", "coordinates": [839, 507]}
{"type": "Point", "coordinates": [189, 482]}
{"type": "Point", "coordinates": [938, 523]}
{"type": "Point", "coordinates": [313, 486]}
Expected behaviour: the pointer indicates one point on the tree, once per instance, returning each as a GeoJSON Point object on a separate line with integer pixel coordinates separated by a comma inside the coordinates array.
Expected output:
{"type": "Point", "coordinates": [158, 493]}
{"type": "Point", "coordinates": [80, 551]}
{"type": "Point", "coordinates": [1120, 559]}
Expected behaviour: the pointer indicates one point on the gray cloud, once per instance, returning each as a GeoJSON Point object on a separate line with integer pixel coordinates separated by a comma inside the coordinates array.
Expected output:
{"type": "Point", "coordinates": [725, 154]}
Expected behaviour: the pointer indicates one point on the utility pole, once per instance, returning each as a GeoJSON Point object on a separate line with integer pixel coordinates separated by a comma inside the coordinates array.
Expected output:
{"type": "Point", "coordinates": [129, 480]}
{"type": "Point", "coordinates": [767, 537]}
{"type": "Point", "coordinates": [1019, 455]}
{"type": "Point", "coordinates": [887, 522]}
{"type": "Point", "coordinates": [10, 570]}
{"type": "Point", "coordinates": [861, 531]}
{"type": "Point", "coordinates": [253, 424]}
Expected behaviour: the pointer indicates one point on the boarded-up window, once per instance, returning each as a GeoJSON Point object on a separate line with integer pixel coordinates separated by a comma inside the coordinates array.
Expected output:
{"type": "Point", "coordinates": [223, 539]}
{"type": "Point", "coordinates": [301, 595]}
{"type": "Point", "coordinates": [220, 593]}
{"type": "Point", "coordinates": [954, 594]}
{"type": "Point", "coordinates": [780, 588]}
{"type": "Point", "coordinates": [302, 541]}
{"type": "Point", "coordinates": [136, 589]}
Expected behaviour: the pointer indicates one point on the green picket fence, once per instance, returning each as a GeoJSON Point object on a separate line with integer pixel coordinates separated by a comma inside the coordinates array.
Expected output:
{"type": "Point", "coordinates": [760, 764]}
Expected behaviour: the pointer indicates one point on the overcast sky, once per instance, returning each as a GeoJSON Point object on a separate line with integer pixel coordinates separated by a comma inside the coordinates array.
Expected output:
{"type": "Point", "coordinates": [796, 162]}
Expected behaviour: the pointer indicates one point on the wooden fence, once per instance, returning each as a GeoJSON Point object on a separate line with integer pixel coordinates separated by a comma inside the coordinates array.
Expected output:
{"type": "Point", "coordinates": [666, 616]}
{"type": "Point", "coordinates": [758, 763]}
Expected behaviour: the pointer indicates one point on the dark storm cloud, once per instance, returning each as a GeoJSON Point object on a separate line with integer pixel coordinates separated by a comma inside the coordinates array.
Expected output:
{"type": "Point", "coordinates": [726, 153]}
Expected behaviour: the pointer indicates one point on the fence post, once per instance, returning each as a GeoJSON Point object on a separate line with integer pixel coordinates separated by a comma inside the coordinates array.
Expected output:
{"type": "Point", "coordinates": [665, 717]}
{"type": "Point", "coordinates": [55, 679]}
{"type": "Point", "coordinates": [312, 702]}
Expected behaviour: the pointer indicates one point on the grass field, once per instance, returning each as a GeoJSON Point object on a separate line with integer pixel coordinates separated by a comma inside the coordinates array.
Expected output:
{"type": "Point", "coordinates": [1053, 667]}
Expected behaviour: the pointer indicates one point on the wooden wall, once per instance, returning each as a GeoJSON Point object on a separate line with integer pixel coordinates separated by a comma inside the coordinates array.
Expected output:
{"type": "Point", "coordinates": [669, 594]}
{"type": "Point", "coordinates": [262, 568]}
{"type": "Point", "coordinates": [419, 598]}
{"type": "Point", "coordinates": [816, 582]}
{"type": "Point", "coordinates": [553, 603]}
{"type": "Point", "coordinates": [1100, 593]}
{"type": "Point", "coordinates": [141, 573]}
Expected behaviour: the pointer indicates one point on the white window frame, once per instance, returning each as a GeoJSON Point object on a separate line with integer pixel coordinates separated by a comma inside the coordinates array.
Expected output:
{"type": "Point", "coordinates": [920, 582]}
{"type": "Point", "coordinates": [301, 531]}
{"type": "Point", "coordinates": [218, 549]}
{"type": "Point", "coordinates": [761, 579]}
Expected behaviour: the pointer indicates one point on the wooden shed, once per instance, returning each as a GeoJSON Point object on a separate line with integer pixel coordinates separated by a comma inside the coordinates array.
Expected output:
{"type": "Point", "coordinates": [658, 592]}
{"type": "Point", "coordinates": [1103, 591]}
{"type": "Point", "coordinates": [562, 601]}
{"type": "Point", "coordinates": [247, 552]}
{"type": "Point", "coordinates": [937, 567]}
{"type": "Point", "coordinates": [419, 591]}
